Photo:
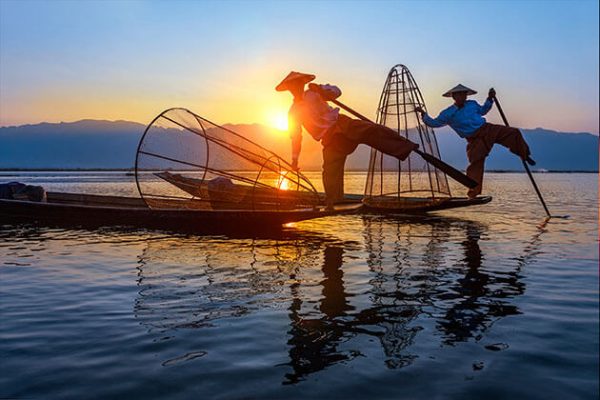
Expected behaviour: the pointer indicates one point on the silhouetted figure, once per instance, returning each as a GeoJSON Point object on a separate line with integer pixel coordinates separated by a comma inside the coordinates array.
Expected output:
{"type": "Point", "coordinates": [465, 117]}
{"type": "Point", "coordinates": [339, 134]}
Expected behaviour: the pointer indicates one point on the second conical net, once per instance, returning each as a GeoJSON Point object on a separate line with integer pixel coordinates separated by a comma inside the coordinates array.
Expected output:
{"type": "Point", "coordinates": [396, 184]}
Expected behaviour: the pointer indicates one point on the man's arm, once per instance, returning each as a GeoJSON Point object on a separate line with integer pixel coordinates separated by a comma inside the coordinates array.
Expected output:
{"type": "Point", "coordinates": [441, 120]}
{"type": "Point", "coordinates": [295, 131]}
{"type": "Point", "coordinates": [489, 102]}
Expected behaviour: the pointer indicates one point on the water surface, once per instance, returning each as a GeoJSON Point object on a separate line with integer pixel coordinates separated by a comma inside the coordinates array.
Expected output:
{"type": "Point", "coordinates": [485, 301]}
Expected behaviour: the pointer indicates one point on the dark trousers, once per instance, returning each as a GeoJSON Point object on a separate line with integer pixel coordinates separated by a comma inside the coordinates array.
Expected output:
{"type": "Point", "coordinates": [343, 139]}
{"type": "Point", "coordinates": [480, 144]}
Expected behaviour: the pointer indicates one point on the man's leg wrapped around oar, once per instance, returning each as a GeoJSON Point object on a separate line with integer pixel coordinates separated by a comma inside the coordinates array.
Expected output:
{"type": "Point", "coordinates": [377, 136]}
{"type": "Point", "coordinates": [480, 144]}
{"type": "Point", "coordinates": [343, 139]}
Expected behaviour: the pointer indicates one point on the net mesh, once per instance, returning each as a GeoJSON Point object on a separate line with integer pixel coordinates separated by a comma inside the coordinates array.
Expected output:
{"type": "Point", "coordinates": [187, 162]}
{"type": "Point", "coordinates": [411, 183]}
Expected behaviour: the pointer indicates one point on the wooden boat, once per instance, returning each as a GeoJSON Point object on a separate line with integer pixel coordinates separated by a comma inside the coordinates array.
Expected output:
{"type": "Point", "coordinates": [417, 205]}
{"type": "Point", "coordinates": [234, 196]}
{"type": "Point", "coordinates": [96, 210]}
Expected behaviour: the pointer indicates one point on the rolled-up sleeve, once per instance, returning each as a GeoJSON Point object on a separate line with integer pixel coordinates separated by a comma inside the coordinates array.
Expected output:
{"type": "Point", "coordinates": [439, 121]}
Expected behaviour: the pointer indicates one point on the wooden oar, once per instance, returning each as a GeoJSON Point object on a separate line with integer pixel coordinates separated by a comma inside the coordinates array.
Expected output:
{"type": "Point", "coordinates": [524, 163]}
{"type": "Point", "coordinates": [436, 162]}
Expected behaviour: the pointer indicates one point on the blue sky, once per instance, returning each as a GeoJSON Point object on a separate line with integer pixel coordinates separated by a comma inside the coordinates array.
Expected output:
{"type": "Point", "coordinates": [68, 60]}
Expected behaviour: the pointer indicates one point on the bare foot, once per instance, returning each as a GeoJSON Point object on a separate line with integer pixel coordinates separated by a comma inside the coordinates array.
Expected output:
{"type": "Point", "coordinates": [472, 195]}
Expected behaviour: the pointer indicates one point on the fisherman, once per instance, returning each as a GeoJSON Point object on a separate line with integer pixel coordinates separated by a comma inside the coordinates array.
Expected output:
{"type": "Point", "coordinates": [339, 134]}
{"type": "Point", "coordinates": [465, 117]}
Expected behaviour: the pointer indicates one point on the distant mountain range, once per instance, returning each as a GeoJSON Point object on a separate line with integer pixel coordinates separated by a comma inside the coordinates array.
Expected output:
{"type": "Point", "coordinates": [90, 144]}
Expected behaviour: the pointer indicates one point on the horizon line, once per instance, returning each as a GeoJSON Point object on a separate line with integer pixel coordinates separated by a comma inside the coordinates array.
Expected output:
{"type": "Point", "coordinates": [239, 123]}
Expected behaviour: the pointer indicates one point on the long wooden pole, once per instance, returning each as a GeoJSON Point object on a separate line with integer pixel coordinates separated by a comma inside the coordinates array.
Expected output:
{"type": "Point", "coordinates": [436, 162]}
{"type": "Point", "coordinates": [524, 163]}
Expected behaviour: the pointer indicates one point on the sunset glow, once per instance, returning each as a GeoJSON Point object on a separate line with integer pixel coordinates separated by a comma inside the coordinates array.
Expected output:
{"type": "Point", "coordinates": [45, 80]}
{"type": "Point", "coordinates": [279, 121]}
{"type": "Point", "coordinates": [283, 183]}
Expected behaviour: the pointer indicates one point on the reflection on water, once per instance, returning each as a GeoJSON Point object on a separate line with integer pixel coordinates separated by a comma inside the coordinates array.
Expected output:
{"type": "Point", "coordinates": [413, 275]}
{"type": "Point", "coordinates": [313, 341]}
{"type": "Point", "coordinates": [187, 283]}
{"type": "Point", "coordinates": [479, 297]}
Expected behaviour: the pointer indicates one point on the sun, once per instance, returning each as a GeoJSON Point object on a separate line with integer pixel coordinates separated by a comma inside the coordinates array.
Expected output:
{"type": "Point", "coordinates": [283, 182]}
{"type": "Point", "coordinates": [279, 121]}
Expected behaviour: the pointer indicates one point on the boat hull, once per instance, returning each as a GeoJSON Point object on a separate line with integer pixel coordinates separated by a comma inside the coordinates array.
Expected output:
{"type": "Point", "coordinates": [94, 210]}
{"type": "Point", "coordinates": [420, 206]}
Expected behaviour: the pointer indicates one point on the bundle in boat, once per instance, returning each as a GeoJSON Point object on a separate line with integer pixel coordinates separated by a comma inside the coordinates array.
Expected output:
{"type": "Point", "coordinates": [185, 161]}
{"type": "Point", "coordinates": [411, 185]}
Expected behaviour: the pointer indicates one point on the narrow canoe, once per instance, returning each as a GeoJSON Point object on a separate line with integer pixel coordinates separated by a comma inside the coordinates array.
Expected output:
{"type": "Point", "coordinates": [413, 205]}
{"type": "Point", "coordinates": [97, 210]}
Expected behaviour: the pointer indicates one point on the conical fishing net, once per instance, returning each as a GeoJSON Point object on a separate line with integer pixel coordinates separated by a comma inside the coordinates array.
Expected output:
{"type": "Point", "coordinates": [185, 161]}
{"type": "Point", "coordinates": [412, 183]}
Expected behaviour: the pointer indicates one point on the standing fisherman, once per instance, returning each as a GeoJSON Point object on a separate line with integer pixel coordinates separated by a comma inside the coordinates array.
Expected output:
{"type": "Point", "coordinates": [466, 118]}
{"type": "Point", "coordinates": [339, 134]}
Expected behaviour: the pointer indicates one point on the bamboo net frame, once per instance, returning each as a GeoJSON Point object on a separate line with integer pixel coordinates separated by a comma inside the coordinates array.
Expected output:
{"type": "Point", "coordinates": [185, 161]}
{"type": "Point", "coordinates": [392, 183]}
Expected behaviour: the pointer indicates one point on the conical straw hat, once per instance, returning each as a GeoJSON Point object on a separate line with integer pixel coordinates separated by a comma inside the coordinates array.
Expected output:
{"type": "Point", "coordinates": [459, 88]}
{"type": "Point", "coordinates": [292, 76]}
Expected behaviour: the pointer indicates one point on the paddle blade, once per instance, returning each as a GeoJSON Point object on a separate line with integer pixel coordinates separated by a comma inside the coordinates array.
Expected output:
{"type": "Point", "coordinates": [448, 170]}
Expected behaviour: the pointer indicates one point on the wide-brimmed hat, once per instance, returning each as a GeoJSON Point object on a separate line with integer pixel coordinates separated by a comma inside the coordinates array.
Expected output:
{"type": "Point", "coordinates": [293, 76]}
{"type": "Point", "coordinates": [459, 88]}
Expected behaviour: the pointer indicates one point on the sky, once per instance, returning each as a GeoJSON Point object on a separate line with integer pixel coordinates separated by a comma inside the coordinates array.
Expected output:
{"type": "Point", "coordinates": [130, 60]}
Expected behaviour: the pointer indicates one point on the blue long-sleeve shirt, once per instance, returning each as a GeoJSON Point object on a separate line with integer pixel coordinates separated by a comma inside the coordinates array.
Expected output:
{"type": "Point", "coordinates": [465, 121]}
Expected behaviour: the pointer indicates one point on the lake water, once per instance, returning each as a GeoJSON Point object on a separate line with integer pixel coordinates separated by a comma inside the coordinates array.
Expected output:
{"type": "Point", "coordinates": [482, 302]}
